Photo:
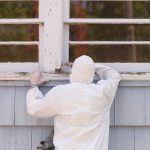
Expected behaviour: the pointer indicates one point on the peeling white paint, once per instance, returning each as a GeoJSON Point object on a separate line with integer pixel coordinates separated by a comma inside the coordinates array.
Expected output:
{"type": "Point", "coordinates": [51, 49]}
{"type": "Point", "coordinates": [65, 76]}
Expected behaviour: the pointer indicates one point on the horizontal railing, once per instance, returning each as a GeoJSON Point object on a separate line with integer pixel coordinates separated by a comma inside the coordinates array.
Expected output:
{"type": "Point", "coordinates": [109, 42]}
{"type": "Point", "coordinates": [106, 21]}
{"type": "Point", "coordinates": [21, 21]}
{"type": "Point", "coordinates": [19, 43]}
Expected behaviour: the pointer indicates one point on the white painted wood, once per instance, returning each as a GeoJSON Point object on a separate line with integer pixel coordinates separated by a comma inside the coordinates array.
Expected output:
{"type": "Point", "coordinates": [136, 83]}
{"type": "Point", "coordinates": [121, 67]}
{"type": "Point", "coordinates": [26, 76]}
{"type": "Point", "coordinates": [109, 42]}
{"type": "Point", "coordinates": [121, 138]}
{"type": "Point", "coordinates": [130, 106]}
{"type": "Point", "coordinates": [135, 79]}
{"type": "Point", "coordinates": [142, 138]}
{"type": "Point", "coordinates": [19, 43]}
{"type": "Point", "coordinates": [41, 35]}
{"type": "Point", "coordinates": [18, 67]}
{"type": "Point", "coordinates": [20, 138]}
{"type": "Point", "coordinates": [106, 21]}
{"type": "Point", "coordinates": [39, 134]}
{"type": "Point", "coordinates": [21, 21]}
{"type": "Point", "coordinates": [53, 27]}
{"type": "Point", "coordinates": [21, 116]}
{"type": "Point", "coordinates": [7, 96]}
{"type": "Point", "coordinates": [66, 15]}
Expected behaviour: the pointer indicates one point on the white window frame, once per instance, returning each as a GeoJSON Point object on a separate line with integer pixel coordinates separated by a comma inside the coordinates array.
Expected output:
{"type": "Point", "coordinates": [121, 67]}
{"type": "Point", "coordinates": [50, 39]}
{"type": "Point", "coordinates": [53, 44]}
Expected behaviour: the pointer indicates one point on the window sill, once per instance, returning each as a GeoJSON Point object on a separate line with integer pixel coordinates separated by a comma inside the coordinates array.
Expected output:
{"type": "Point", "coordinates": [26, 76]}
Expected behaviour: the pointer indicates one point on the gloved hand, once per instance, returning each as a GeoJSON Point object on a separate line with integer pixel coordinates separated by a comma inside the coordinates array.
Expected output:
{"type": "Point", "coordinates": [36, 78]}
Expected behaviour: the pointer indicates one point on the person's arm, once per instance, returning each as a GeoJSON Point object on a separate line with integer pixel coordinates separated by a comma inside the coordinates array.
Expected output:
{"type": "Point", "coordinates": [109, 80]}
{"type": "Point", "coordinates": [37, 104]}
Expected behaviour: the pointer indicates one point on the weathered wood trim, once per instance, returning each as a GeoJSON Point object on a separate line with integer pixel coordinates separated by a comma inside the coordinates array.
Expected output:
{"type": "Point", "coordinates": [7, 69]}
{"type": "Point", "coordinates": [54, 82]}
{"type": "Point", "coordinates": [66, 15]}
{"type": "Point", "coordinates": [51, 52]}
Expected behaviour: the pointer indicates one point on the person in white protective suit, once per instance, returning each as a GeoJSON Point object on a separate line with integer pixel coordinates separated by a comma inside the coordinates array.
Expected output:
{"type": "Point", "coordinates": [81, 109]}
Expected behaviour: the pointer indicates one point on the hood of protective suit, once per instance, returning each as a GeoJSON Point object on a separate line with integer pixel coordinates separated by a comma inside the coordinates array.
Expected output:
{"type": "Point", "coordinates": [83, 70]}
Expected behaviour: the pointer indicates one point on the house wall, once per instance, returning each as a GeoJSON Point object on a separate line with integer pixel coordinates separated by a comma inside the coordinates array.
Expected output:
{"type": "Point", "coordinates": [129, 124]}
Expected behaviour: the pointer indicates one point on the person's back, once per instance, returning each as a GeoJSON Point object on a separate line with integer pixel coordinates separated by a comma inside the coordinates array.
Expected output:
{"type": "Point", "coordinates": [81, 108]}
{"type": "Point", "coordinates": [84, 119]}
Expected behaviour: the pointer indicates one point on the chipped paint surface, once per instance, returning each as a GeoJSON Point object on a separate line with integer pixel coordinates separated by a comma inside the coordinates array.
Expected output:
{"type": "Point", "coordinates": [51, 47]}
{"type": "Point", "coordinates": [136, 76]}
{"type": "Point", "coordinates": [65, 76]}
{"type": "Point", "coordinates": [26, 76]}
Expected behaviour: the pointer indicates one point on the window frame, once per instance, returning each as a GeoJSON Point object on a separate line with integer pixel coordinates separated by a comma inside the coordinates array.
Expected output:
{"type": "Point", "coordinates": [50, 39]}
{"type": "Point", "coordinates": [53, 44]}
{"type": "Point", "coordinates": [121, 67]}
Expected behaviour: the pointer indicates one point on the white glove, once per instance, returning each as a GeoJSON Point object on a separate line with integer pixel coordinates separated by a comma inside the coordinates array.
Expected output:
{"type": "Point", "coordinates": [36, 79]}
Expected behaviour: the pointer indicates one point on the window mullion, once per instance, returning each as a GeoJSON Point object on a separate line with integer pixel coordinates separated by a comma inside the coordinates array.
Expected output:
{"type": "Point", "coordinates": [66, 16]}
{"type": "Point", "coordinates": [50, 35]}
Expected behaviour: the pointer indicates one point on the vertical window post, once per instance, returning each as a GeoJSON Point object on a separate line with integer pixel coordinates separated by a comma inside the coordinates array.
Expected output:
{"type": "Point", "coordinates": [66, 16]}
{"type": "Point", "coordinates": [50, 38]}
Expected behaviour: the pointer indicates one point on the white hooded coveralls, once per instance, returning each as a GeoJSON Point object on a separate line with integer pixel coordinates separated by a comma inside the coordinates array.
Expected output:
{"type": "Point", "coordinates": [81, 109]}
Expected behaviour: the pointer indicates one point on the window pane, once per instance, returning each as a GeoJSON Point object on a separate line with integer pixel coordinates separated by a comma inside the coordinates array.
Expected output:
{"type": "Point", "coordinates": [19, 32]}
{"type": "Point", "coordinates": [18, 54]}
{"type": "Point", "coordinates": [110, 9]}
{"type": "Point", "coordinates": [18, 9]}
{"type": "Point", "coordinates": [112, 53]}
{"type": "Point", "coordinates": [110, 32]}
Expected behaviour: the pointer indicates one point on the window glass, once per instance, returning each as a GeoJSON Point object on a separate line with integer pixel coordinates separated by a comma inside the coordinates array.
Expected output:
{"type": "Point", "coordinates": [18, 9]}
{"type": "Point", "coordinates": [112, 53]}
{"type": "Point", "coordinates": [110, 9]}
{"type": "Point", "coordinates": [110, 32]}
{"type": "Point", "coordinates": [19, 33]}
{"type": "Point", "coordinates": [18, 53]}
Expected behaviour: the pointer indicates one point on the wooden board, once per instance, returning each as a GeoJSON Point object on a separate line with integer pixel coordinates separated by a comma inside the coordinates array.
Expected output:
{"type": "Point", "coordinates": [121, 138]}
{"type": "Point", "coordinates": [130, 107]}
{"type": "Point", "coordinates": [7, 96]}
{"type": "Point", "coordinates": [142, 138]}
{"type": "Point", "coordinates": [20, 138]}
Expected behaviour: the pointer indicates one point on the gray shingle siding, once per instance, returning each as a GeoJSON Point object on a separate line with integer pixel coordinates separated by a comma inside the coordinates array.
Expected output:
{"type": "Point", "coordinates": [130, 117]}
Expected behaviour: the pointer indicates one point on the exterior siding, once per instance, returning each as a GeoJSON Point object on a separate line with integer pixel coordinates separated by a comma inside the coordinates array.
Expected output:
{"type": "Point", "coordinates": [130, 117]}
